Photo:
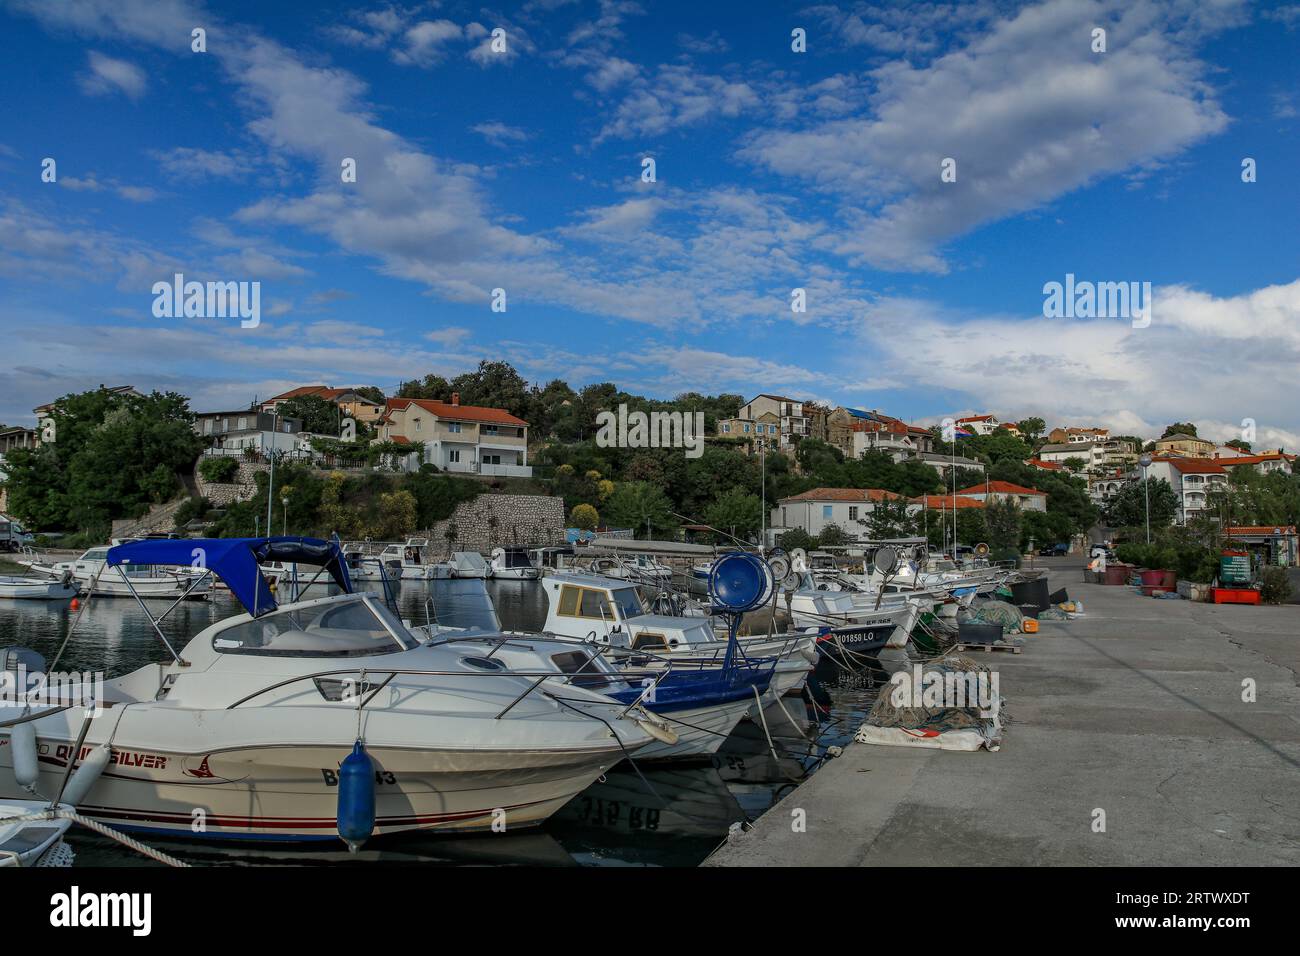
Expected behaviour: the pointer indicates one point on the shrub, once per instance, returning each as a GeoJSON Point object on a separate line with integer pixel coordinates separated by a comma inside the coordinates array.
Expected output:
{"type": "Point", "coordinates": [584, 516]}
{"type": "Point", "coordinates": [1275, 585]}
{"type": "Point", "coordinates": [192, 509]}
{"type": "Point", "coordinates": [218, 470]}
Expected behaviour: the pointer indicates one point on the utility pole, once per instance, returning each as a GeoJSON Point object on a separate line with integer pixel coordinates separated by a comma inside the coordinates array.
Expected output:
{"type": "Point", "coordinates": [270, 481]}
{"type": "Point", "coordinates": [762, 504]}
{"type": "Point", "coordinates": [1145, 462]}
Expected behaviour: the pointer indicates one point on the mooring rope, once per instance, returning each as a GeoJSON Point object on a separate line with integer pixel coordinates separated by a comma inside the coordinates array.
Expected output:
{"type": "Point", "coordinates": [98, 827]}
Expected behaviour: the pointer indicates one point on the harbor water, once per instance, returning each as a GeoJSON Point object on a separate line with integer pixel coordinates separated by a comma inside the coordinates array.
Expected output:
{"type": "Point", "coordinates": [648, 815]}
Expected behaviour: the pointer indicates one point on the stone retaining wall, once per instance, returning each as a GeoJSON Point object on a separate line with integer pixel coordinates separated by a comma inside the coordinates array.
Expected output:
{"type": "Point", "coordinates": [490, 521]}
{"type": "Point", "coordinates": [222, 494]}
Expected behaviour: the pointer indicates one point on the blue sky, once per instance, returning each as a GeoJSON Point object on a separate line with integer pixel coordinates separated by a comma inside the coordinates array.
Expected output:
{"type": "Point", "coordinates": [775, 170]}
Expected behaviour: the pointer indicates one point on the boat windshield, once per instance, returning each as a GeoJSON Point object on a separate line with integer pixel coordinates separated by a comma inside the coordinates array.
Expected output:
{"type": "Point", "coordinates": [628, 602]}
{"type": "Point", "coordinates": [355, 628]}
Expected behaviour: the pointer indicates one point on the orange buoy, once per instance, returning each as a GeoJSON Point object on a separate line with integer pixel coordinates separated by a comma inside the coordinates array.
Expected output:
{"type": "Point", "coordinates": [75, 604]}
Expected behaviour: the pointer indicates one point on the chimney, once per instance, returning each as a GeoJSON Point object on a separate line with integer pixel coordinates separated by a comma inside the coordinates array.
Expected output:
{"type": "Point", "coordinates": [455, 398]}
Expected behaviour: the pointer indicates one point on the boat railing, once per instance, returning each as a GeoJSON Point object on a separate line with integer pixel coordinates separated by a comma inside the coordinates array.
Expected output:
{"type": "Point", "coordinates": [364, 672]}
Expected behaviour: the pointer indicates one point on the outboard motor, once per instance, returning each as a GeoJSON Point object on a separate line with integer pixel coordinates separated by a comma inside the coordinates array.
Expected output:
{"type": "Point", "coordinates": [20, 665]}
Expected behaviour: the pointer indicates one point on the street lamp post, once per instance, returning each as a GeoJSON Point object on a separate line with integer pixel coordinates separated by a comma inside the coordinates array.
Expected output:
{"type": "Point", "coordinates": [1145, 462]}
{"type": "Point", "coordinates": [285, 501]}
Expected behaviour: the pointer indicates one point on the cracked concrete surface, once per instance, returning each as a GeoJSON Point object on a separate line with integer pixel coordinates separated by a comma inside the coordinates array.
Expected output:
{"type": "Point", "coordinates": [1135, 709]}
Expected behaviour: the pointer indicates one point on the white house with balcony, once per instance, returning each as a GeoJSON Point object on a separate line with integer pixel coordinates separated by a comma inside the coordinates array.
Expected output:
{"type": "Point", "coordinates": [1192, 479]}
{"type": "Point", "coordinates": [469, 439]}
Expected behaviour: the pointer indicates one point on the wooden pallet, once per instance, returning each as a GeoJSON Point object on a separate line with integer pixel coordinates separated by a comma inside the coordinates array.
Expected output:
{"type": "Point", "coordinates": [994, 646]}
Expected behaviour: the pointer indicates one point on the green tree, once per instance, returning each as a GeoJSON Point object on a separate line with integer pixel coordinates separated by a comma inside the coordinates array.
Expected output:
{"type": "Point", "coordinates": [736, 512]}
{"type": "Point", "coordinates": [317, 415]}
{"type": "Point", "coordinates": [1032, 429]}
{"type": "Point", "coordinates": [889, 519]}
{"type": "Point", "coordinates": [1180, 428]}
{"type": "Point", "coordinates": [641, 507]}
{"type": "Point", "coordinates": [1128, 507]}
{"type": "Point", "coordinates": [112, 456]}
{"type": "Point", "coordinates": [1002, 518]}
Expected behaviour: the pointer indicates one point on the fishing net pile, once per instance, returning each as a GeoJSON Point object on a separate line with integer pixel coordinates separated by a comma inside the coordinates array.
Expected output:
{"type": "Point", "coordinates": [1003, 613]}
{"type": "Point", "coordinates": [904, 714]}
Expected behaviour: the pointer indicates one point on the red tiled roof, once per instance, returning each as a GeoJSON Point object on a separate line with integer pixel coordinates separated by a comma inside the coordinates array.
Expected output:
{"type": "Point", "coordinates": [1045, 465]}
{"type": "Point", "coordinates": [946, 502]}
{"type": "Point", "coordinates": [975, 418]}
{"type": "Point", "coordinates": [1001, 488]}
{"type": "Point", "coordinates": [1256, 459]}
{"type": "Point", "coordinates": [460, 413]}
{"type": "Point", "coordinates": [1194, 466]}
{"type": "Point", "coordinates": [844, 494]}
{"type": "Point", "coordinates": [1258, 529]}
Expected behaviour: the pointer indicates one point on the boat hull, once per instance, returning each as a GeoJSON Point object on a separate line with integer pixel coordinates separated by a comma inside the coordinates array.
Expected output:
{"type": "Point", "coordinates": [290, 793]}
{"type": "Point", "coordinates": [15, 590]}
{"type": "Point", "coordinates": [700, 731]}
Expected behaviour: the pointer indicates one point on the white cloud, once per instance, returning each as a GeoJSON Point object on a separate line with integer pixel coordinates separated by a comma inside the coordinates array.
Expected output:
{"type": "Point", "coordinates": [192, 164]}
{"type": "Point", "coordinates": [1203, 358]}
{"type": "Point", "coordinates": [108, 75]}
{"type": "Point", "coordinates": [1027, 111]}
{"type": "Point", "coordinates": [500, 134]}
{"type": "Point", "coordinates": [676, 97]}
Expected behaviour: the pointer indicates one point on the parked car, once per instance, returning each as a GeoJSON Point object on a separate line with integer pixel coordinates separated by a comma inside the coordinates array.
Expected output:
{"type": "Point", "coordinates": [1055, 550]}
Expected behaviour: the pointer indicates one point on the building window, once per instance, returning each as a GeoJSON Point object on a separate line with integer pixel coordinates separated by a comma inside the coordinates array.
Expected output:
{"type": "Point", "coordinates": [726, 429]}
{"type": "Point", "coordinates": [489, 430]}
{"type": "Point", "coordinates": [826, 511]}
{"type": "Point", "coordinates": [853, 512]}
{"type": "Point", "coordinates": [491, 459]}
{"type": "Point", "coordinates": [453, 455]}
{"type": "Point", "coordinates": [243, 423]}
{"type": "Point", "coordinates": [746, 427]}
{"type": "Point", "coordinates": [453, 427]}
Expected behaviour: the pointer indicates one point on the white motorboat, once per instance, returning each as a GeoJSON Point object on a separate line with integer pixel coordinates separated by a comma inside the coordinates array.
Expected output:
{"type": "Point", "coordinates": [364, 566]}
{"type": "Point", "coordinates": [137, 580]}
{"type": "Point", "coordinates": [612, 615]}
{"type": "Point", "coordinates": [37, 589]}
{"type": "Point", "coordinates": [246, 733]}
{"type": "Point", "coordinates": [411, 561]}
{"type": "Point", "coordinates": [640, 568]}
{"type": "Point", "coordinates": [463, 564]}
{"type": "Point", "coordinates": [512, 564]}
{"type": "Point", "coordinates": [33, 842]}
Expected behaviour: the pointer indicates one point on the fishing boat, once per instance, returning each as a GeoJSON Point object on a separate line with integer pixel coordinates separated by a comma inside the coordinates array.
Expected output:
{"type": "Point", "coordinates": [512, 564]}
{"type": "Point", "coordinates": [33, 842]}
{"type": "Point", "coordinates": [37, 589]}
{"type": "Point", "coordinates": [178, 579]}
{"type": "Point", "coordinates": [279, 723]}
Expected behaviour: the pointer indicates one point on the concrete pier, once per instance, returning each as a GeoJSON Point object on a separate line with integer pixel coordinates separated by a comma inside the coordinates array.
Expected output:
{"type": "Point", "coordinates": [1134, 708]}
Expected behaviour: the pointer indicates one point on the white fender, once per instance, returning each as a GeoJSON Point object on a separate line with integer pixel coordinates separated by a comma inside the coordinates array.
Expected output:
{"type": "Point", "coordinates": [22, 741]}
{"type": "Point", "coordinates": [84, 777]}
